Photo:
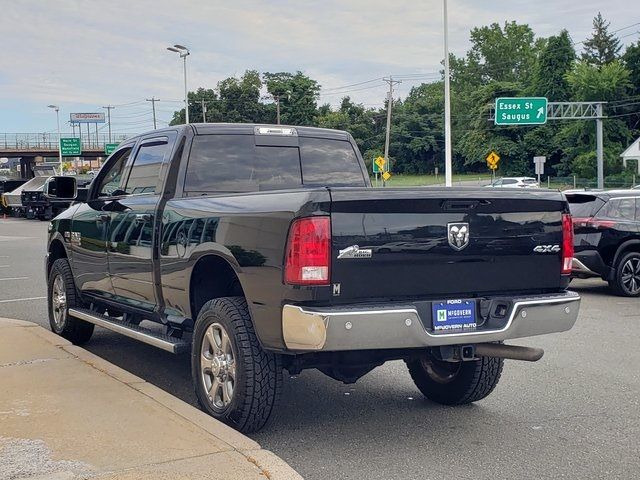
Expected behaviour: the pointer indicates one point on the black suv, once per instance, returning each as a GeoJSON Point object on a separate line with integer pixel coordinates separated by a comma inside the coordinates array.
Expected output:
{"type": "Point", "coordinates": [607, 238]}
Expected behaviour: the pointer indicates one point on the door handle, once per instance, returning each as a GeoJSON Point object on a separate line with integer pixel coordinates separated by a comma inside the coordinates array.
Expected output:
{"type": "Point", "coordinates": [143, 217]}
{"type": "Point", "coordinates": [103, 217]}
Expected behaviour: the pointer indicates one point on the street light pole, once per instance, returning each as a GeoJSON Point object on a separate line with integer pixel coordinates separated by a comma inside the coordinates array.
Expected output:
{"type": "Point", "coordinates": [184, 53]}
{"type": "Point", "coordinates": [447, 104]}
{"type": "Point", "coordinates": [57, 109]}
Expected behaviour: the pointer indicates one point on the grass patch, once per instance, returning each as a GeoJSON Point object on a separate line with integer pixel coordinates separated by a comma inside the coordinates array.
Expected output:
{"type": "Point", "coordinates": [423, 180]}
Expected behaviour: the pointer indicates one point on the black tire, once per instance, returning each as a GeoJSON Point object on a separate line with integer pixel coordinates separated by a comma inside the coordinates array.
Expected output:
{"type": "Point", "coordinates": [622, 284]}
{"type": "Point", "coordinates": [458, 383]}
{"type": "Point", "coordinates": [257, 374]}
{"type": "Point", "coordinates": [75, 330]}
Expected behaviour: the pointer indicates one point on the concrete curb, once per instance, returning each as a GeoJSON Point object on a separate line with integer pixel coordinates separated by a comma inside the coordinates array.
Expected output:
{"type": "Point", "coordinates": [271, 465]}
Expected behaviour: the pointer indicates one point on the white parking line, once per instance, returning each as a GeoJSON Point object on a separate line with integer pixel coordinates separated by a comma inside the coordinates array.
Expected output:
{"type": "Point", "coordinates": [22, 299]}
{"type": "Point", "coordinates": [5, 266]}
{"type": "Point", "coordinates": [14, 278]}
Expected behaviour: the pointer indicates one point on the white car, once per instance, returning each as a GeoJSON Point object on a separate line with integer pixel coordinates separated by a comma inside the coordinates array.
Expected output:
{"type": "Point", "coordinates": [515, 182]}
{"type": "Point", "coordinates": [637, 187]}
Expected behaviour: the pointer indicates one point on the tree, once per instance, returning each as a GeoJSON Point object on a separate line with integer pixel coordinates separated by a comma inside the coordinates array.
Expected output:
{"type": "Point", "coordinates": [298, 96]}
{"type": "Point", "coordinates": [591, 83]}
{"type": "Point", "coordinates": [603, 47]}
{"type": "Point", "coordinates": [631, 60]}
{"type": "Point", "coordinates": [555, 61]}
{"type": "Point", "coordinates": [505, 54]}
{"type": "Point", "coordinates": [196, 98]}
{"type": "Point", "coordinates": [240, 98]}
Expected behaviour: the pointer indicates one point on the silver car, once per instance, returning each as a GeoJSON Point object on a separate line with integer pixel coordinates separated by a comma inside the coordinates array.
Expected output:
{"type": "Point", "coordinates": [515, 182]}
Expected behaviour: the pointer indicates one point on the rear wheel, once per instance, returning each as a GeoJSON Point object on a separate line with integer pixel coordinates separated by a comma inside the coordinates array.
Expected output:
{"type": "Point", "coordinates": [455, 383]}
{"type": "Point", "coordinates": [626, 279]}
{"type": "Point", "coordinates": [235, 380]}
{"type": "Point", "coordinates": [62, 295]}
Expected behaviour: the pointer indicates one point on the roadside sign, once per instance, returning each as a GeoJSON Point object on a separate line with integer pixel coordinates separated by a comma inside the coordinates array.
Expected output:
{"type": "Point", "coordinates": [376, 168]}
{"type": "Point", "coordinates": [70, 147]}
{"type": "Point", "coordinates": [380, 161]}
{"type": "Point", "coordinates": [521, 111]}
{"type": "Point", "coordinates": [539, 161]}
{"type": "Point", "coordinates": [109, 148]}
{"type": "Point", "coordinates": [87, 117]}
{"type": "Point", "coordinates": [492, 160]}
{"type": "Point", "coordinates": [386, 176]}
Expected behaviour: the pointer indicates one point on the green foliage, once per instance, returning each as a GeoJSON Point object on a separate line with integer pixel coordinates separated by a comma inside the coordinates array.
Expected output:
{"type": "Point", "coordinates": [590, 83]}
{"type": "Point", "coordinates": [298, 96]}
{"type": "Point", "coordinates": [555, 61]}
{"type": "Point", "coordinates": [603, 47]}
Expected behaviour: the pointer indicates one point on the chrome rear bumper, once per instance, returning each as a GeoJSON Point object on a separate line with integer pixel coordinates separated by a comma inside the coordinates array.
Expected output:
{"type": "Point", "coordinates": [340, 328]}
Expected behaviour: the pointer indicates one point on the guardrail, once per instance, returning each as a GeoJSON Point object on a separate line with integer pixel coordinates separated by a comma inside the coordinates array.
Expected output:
{"type": "Point", "coordinates": [49, 141]}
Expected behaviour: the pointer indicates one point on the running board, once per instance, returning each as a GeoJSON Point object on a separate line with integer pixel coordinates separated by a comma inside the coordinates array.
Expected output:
{"type": "Point", "coordinates": [159, 340]}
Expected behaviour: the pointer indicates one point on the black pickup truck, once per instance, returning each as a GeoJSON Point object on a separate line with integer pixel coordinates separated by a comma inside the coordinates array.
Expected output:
{"type": "Point", "coordinates": [260, 248]}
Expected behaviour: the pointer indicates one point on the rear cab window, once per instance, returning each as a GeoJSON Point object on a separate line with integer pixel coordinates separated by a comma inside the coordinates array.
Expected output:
{"type": "Point", "coordinates": [235, 163]}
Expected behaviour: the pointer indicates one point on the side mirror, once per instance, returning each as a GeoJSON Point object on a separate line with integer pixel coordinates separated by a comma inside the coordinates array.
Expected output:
{"type": "Point", "coordinates": [61, 188]}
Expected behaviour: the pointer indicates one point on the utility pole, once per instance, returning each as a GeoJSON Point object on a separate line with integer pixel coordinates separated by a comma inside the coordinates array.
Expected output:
{"type": "Point", "coordinates": [109, 108]}
{"type": "Point", "coordinates": [184, 53]}
{"type": "Point", "coordinates": [599, 149]}
{"type": "Point", "coordinates": [204, 111]}
{"type": "Point", "coordinates": [153, 101]}
{"type": "Point", "coordinates": [391, 83]}
{"type": "Point", "coordinates": [447, 104]}
{"type": "Point", "coordinates": [277, 99]}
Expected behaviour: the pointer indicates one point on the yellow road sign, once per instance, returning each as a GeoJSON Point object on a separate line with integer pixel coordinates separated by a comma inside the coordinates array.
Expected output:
{"type": "Point", "coordinates": [492, 160]}
{"type": "Point", "coordinates": [386, 176]}
{"type": "Point", "coordinates": [380, 161]}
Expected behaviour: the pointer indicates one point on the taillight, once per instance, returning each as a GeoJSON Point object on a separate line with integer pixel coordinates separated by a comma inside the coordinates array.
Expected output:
{"type": "Point", "coordinates": [593, 223]}
{"type": "Point", "coordinates": [307, 258]}
{"type": "Point", "coordinates": [567, 243]}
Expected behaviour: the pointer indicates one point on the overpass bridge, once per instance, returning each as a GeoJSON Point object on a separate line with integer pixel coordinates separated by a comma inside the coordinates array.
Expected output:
{"type": "Point", "coordinates": [34, 148]}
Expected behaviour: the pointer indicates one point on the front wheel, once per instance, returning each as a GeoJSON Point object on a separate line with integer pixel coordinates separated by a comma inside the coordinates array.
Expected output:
{"type": "Point", "coordinates": [626, 279]}
{"type": "Point", "coordinates": [455, 383]}
{"type": "Point", "coordinates": [235, 380]}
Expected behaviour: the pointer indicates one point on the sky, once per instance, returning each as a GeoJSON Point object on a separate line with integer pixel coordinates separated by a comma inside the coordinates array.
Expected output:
{"type": "Point", "coordinates": [84, 54]}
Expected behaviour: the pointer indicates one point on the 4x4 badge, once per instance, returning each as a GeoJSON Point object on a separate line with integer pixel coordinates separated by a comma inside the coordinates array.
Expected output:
{"type": "Point", "coordinates": [458, 235]}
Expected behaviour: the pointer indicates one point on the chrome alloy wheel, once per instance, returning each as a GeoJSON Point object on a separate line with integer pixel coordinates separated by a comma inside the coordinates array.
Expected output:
{"type": "Point", "coordinates": [59, 302]}
{"type": "Point", "coordinates": [218, 366]}
{"type": "Point", "coordinates": [631, 275]}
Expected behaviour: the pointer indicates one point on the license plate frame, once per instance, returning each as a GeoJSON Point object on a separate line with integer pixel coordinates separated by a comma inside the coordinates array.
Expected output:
{"type": "Point", "coordinates": [453, 315]}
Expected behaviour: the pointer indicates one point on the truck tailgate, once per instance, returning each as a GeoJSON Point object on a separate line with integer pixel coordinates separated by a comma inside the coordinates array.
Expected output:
{"type": "Point", "coordinates": [444, 243]}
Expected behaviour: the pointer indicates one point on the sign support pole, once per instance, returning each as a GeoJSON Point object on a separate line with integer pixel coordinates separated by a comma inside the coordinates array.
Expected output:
{"type": "Point", "coordinates": [599, 149]}
{"type": "Point", "coordinates": [447, 104]}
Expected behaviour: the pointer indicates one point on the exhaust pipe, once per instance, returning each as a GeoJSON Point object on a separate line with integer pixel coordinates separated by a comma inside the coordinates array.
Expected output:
{"type": "Point", "coordinates": [512, 352]}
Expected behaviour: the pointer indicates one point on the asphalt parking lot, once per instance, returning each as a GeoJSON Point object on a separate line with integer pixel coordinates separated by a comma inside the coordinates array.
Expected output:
{"type": "Point", "coordinates": [574, 414]}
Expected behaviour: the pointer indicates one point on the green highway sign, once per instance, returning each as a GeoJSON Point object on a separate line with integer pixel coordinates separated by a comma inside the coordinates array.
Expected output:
{"type": "Point", "coordinates": [70, 147]}
{"type": "Point", "coordinates": [521, 111]}
{"type": "Point", "coordinates": [109, 148]}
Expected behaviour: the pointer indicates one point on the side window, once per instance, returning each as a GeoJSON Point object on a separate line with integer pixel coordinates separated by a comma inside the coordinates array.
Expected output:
{"type": "Point", "coordinates": [638, 209]}
{"type": "Point", "coordinates": [145, 172]}
{"type": "Point", "coordinates": [619, 208]}
{"type": "Point", "coordinates": [111, 181]}
{"type": "Point", "coordinates": [509, 182]}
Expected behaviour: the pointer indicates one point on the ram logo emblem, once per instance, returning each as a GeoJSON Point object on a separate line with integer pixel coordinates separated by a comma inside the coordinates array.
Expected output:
{"type": "Point", "coordinates": [458, 235]}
